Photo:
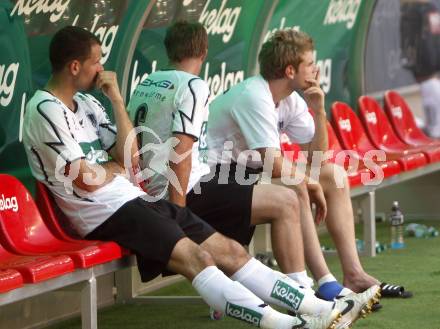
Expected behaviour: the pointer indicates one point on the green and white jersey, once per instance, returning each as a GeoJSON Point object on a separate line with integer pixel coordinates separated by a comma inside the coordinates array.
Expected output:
{"type": "Point", "coordinates": [166, 103]}
{"type": "Point", "coordinates": [54, 137]}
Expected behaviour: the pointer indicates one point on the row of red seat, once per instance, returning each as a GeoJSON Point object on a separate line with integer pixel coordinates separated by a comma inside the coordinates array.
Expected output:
{"type": "Point", "coordinates": [393, 131]}
{"type": "Point", "coordinates": [33, 245]}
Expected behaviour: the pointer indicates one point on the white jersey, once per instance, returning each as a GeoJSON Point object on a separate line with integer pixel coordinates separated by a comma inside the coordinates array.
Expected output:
{"type": "Point", "coordinates": [54, 137]}
{"type": "Point", "coordinates": [246, 116]}
{"type": "Point", "coordinates": [170, 102]}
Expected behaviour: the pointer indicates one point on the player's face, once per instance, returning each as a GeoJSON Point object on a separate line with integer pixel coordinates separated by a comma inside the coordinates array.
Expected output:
{"type": "Point", "coordinates": [90, 69]}
{"type": "Point", "coordinates": [307, 69]}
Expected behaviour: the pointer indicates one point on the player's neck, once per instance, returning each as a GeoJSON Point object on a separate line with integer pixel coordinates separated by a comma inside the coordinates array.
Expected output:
{"type": "Point", "coordinates": [280, 89]}
{"type": "Point", "coordinates": [188, 65]}
{"type": "Point", "coordinates": [61, 90]}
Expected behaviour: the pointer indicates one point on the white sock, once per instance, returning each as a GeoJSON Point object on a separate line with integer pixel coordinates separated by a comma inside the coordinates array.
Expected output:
{"type": "Point", "coordinates": [277, 288]}
{"type": "Point", "coordinates": [234, 300]}
{"type": "Point", "coordinates": [326, 278]}
{"type": "Point", "coordinates": [302, 278]}
{"type": "Point", "coordinates": [331, 278]}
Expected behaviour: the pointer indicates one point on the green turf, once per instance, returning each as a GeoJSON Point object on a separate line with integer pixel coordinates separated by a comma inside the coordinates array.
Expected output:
{"type": "Point", "coordinates": [417, 266]}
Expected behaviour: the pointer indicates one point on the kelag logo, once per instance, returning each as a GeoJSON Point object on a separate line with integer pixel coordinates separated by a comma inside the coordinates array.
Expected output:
{"type": "Point", "coordinates": [342, 11]}
{"type": "Point", "coordinates": [8, 203]}
{"type": "Point", "coordinates": [287, 294]}
{"type": "Point", "coordinates": [220, 21]}
{"type": "Point", "coordinates": [219, 83]}
{"type": "Point", "coordinates": [56, 8]}
{"type": "Point", "coordinates": [8, 77]}
{"type": "Point", "coordinates": [244, 314]}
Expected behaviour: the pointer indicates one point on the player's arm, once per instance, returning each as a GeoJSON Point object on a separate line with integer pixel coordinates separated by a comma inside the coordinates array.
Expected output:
{"type": "Point", "coordinates": [107, 82]}
{"type": "Point", "coordinates": [191, 106]}
{"type": "Point", "coordinates": [91, 177]}
{"type": "Point", "coordinates": [276, 165]}
{"type": "Point", "coordinates": [314, 97]}
{"type": "Point", "coordinates": [182, 169]}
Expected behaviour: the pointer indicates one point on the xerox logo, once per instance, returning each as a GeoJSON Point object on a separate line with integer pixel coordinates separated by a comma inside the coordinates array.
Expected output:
{"type": "Point", "coordinates": [55, 7]}
{"type": "Point", "coordinates": [8, 77]}
{"type": "Point", "coordinates": [342, 11]}
{"type": "Point", "coordinates": [8, 203]}
{"type": "Point", "coordinates": [220, 21]}
{"type": "Point", "coordinates": [344, 124]}
{"type": "Point", "coordinates": [371, 117]}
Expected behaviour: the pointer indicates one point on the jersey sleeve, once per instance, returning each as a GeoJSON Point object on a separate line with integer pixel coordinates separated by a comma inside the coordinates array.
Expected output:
{"type": "Point", "coordinates": [106, 129]}
{"type": "Point", "coordinates": [300, 126]}
{"type": "Point", "coordinates": [56, 141]}
{"type": "Point", "coordinates": [191, 105]}
{"type": "Point", "coordinates": [257, 120]}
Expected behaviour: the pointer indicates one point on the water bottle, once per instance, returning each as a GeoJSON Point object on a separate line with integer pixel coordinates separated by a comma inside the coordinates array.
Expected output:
{"type": "Point", "coordinates": [396, 221]}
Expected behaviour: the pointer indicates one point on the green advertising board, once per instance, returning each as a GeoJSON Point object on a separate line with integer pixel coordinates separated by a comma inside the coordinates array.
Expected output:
{"type": "Point", "coordinates": [15, 88]}
{"type": "Point", "coordinates": [338, 28]}
{"type": "Point", "coordinates": [234, 29]}
{"type": "Point", "coordinates": [26, 28]}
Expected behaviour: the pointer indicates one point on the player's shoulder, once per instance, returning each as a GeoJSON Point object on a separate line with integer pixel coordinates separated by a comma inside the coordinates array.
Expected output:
{"type": "Point", "coordinates": [42, 100]}
{"type": "Point", "coordinates": [85, 99]}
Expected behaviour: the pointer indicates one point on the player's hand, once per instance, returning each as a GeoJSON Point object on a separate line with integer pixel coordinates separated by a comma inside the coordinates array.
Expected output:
{"type": "Point", "coordinates": [108, 83]}
{"type": "Point", "coordinates": [314, 95]}
{"type": "Point", "coordinates": [316, 196]}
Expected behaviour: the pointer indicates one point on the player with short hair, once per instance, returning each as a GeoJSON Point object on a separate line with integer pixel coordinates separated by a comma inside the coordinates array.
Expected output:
{"type": "Point", "coordinates": [74, 149]}
{"type": "Point", "coordinates": [170, 109]}
{"type": "Point", "coordinates": [254, 114]}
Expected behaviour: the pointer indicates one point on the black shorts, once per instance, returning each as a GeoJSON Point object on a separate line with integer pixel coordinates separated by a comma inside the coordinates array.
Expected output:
{"type": "Point", "coordinates": [151, 230]}
{"type": "Point", "coordinates": [226, 207]}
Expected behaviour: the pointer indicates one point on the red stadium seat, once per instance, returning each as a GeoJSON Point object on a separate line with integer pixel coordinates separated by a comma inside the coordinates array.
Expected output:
{"type": "Point", "coordinates": [35, 269]}
{"type": "Point", "coordinates": [23, 231]}
{"type": "Point", "coordinates": [403, 122]}
{"type": "Point", "coordinates": [10, 280]}
{"type": "Point", "coordinates": [352, 135]}
{"type": "Point", "coordinates": [57, 222]}
{"type": "Point", "coordinates": [354, 174]}
{"type": "Point", "coordinates": [382, 134]}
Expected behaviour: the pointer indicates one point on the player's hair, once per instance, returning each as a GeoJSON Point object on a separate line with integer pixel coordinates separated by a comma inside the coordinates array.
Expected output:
{"type": "Point", "coordinates": [185, 40]}
{"type": "Point", "coordinates": [283, 48]}
{"type": "Point", "coordinates": [68, 44]}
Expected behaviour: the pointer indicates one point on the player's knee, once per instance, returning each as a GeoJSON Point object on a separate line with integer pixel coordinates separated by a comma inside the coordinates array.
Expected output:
{"type": "Point", "coordinates": [287, 203]}
{"type": "Point", "coordinates": [331, 179]}
{"type": "Point", "coordinates": [236, 250]}
{"type": "Point", "coordinates": [203, 258]}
